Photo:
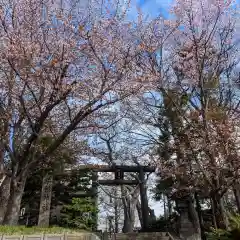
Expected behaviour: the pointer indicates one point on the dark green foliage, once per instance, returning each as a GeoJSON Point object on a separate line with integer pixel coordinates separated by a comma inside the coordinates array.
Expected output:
{"type": "Point", "coordinates": [232, 234]}
{"type": "Point", "coordinates": [163, 224]}
{"type": "Point", "coordinates": [159, 225]}
{"type": "Point", "coordinates": [79, 214]}
{"type": "Point", "coordinates": [162, 186]}
{"type": "Point", "coordinates": [65, 185]}
{"type": "Point", "coordinates": [65, 188]}
{"type": "Point", "coordinates": [171, 126]}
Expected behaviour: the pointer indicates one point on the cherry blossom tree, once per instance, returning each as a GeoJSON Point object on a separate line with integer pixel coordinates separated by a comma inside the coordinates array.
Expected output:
{"type": "Point", "coordinates": [59, 72]}
{"type": "Point", "coordinates": [198, 66]}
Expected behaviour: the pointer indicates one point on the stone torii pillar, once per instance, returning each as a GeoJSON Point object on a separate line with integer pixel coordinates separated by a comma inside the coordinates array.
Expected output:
{"type": "Point", "coordinates": [45, 203]}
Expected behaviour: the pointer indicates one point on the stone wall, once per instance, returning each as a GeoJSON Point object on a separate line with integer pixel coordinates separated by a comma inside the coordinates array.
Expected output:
{"type": "Point", "coordinates": [82, 236]}
{"type": "Point", "coordinates": [91, 236]}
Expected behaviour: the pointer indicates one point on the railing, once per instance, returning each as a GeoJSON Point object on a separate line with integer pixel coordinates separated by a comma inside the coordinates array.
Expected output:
{"type": "Point", "coordinates": [83, 236]}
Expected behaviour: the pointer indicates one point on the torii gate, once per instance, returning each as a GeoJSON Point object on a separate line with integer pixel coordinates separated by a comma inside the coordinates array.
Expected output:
{"type": "Point", "coordinates": [119, 170]}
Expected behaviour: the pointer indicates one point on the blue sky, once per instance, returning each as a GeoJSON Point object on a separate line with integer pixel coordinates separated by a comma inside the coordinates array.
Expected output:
{"type": "Point", "coordinates": [152, 8]}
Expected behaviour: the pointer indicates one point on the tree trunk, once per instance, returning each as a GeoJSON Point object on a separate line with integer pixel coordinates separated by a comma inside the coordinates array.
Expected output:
{"type": "Point", "coordinates": [199, 211]}
{"type": "Point", "coordinates": [14, 202]}
{"type": "Point", "coordinates": [236, 191]}
{"type": "Point", "coordinates": [164, 207]}
{"type": "Point", "coordinates": [224, 214]}
{"type": "Point", "coordinates": [139, 211]}
{"type": "Point", "coordinates": [219, 211]}
{"type": "Point", "coordinates": [116, 214]}
{"type": "Point", "coordinates": [4, 196]}
{"type": "Point", "coordinates": [213, 215]}
{"type": "Point", "coordinates": [144, 200]}
{"type": "Point", "coordinates": [193, 215]}
{"type": "Point", "coordinates": [95, 199]}
{"type": "Point", "coordinates": [129, 212]}
{"type": "Point", "coordinates": [169, 205]}
{"type": "Point", "coordinates": [129, 217]}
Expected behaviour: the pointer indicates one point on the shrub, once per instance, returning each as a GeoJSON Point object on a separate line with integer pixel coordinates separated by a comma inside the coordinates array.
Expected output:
{"type": "Point", "coordinates": [233, 233]}
{"type": "Point", "coordinates": [79, 214]}
{"type": "Point", "coordinates": [15, 230]}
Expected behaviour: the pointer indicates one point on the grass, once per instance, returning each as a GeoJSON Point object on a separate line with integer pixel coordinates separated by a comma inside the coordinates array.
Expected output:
{"type": "Point", "coordinates": [17, 230]}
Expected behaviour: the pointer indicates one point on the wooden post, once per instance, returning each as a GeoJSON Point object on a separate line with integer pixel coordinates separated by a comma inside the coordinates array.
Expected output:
{"type": "Point", "coordinates": [45, 204]}
{"type": "Point", "coordinates": [144, 201]}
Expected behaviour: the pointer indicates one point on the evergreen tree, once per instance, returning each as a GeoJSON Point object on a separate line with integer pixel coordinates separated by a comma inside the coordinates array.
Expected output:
{"type": "Point", "coordinates": [67, 187]}
{"type": "Point", "coordinates": [79, 214]}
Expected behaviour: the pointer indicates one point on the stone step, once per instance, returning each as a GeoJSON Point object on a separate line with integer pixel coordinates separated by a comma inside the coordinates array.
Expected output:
{"type": "Point", "coordinates": [140, 236]}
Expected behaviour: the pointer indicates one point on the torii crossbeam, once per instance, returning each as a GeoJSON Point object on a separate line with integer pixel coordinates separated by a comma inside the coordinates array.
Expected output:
{"type": "Point", "coordinates": [119, 171]}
